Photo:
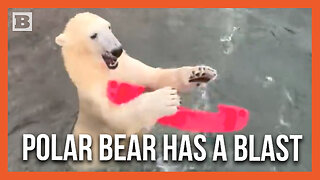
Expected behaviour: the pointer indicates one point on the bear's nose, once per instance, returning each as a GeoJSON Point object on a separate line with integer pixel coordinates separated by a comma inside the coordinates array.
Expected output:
{"type": "Point", "coordinates": [117, 51]}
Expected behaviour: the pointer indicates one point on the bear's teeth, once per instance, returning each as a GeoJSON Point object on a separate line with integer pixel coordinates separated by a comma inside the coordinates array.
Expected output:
{"type": "Point", "coordinates": [113, 63]}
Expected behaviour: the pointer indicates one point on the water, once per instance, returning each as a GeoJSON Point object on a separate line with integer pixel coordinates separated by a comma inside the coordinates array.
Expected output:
{"type": "Point", "coordinates": [202, 99]}
{"type": "Point", "coordinates": [227, 41]}
{"type": "Point", "coordinates": [263, 58]}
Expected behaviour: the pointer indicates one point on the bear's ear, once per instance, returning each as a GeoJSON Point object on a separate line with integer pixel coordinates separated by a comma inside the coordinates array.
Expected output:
{"type": "Point", "coordinates": [61, 39]}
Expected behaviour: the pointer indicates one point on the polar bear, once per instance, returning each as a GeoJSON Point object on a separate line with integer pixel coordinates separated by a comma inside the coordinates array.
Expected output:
{"type": "Point", "coordinates": [93, 56]}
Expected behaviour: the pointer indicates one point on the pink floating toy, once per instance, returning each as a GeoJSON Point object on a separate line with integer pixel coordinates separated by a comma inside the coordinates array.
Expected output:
{"type": "Point", "coordinates": [227, 119]}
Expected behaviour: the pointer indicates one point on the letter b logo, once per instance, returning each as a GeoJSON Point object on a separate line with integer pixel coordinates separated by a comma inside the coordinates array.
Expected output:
{"type": "Point", "coordinates": [22, 21]}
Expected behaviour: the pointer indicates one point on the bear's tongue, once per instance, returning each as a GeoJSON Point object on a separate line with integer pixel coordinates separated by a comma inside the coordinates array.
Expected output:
{"type": "Point", "coordinates": [110, 60]}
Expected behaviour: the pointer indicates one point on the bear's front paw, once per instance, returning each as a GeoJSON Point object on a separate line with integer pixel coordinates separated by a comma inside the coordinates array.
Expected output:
{"type": "Point", "coordinates": [159, 103]}
{"type": "Point", "coordinates": [166, 101]}
{"type": "Point", "coordinates": [202, 74]}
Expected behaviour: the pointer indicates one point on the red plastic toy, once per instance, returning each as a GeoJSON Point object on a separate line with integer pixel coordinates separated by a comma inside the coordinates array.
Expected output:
{"type": "Point", "coordinates": [227, 119]}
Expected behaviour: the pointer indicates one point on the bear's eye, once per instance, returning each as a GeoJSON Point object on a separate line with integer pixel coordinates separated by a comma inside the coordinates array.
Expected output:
{"type": "Point", "coordinates": [109, 27]}
{"type": "Point", "coordinates": [94, 36]}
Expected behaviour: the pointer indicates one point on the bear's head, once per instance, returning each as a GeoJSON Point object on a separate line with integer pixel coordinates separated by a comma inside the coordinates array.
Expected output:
{"type": "Point", "coordinates": [87, 33]}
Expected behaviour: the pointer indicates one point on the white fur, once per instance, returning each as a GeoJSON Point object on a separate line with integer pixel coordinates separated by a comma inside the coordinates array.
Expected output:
{"type": "Point", "coordinates": [89, 73]}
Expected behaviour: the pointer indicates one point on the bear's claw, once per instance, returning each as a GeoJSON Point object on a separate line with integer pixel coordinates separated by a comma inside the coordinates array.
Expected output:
{"type": "Point", "coordinates": [202, 74]}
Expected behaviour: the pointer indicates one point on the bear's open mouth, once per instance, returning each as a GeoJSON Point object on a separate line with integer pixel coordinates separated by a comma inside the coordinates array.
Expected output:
{"type": "Point", "coordinates": [110, 60]}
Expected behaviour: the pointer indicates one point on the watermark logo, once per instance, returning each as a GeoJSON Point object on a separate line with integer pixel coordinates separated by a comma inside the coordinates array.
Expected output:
{"type": "Point", "coordinates": [22, 21]}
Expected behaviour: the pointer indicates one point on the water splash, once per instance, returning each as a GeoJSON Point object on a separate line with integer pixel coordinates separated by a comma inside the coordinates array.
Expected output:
{"type": "Point", "coordinates": [227, 41]}
{"type": "Point", "coordinates": [285, 112]}
{"type": "Point", "coordinates": [202, 101]}
{"type": "Point", "coordinates": [165, 166]}
{"type": "Point", "coordinates": [281, 118]}
{"type": "Point", "coordinates": [288, 96]}
{"type": "Point", "coordinates": [266, 82]}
